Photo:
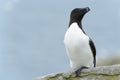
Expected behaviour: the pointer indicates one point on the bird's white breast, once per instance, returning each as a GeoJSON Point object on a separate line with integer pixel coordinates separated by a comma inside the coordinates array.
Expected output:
{"type": "Point", "coordinates": [77, 46]}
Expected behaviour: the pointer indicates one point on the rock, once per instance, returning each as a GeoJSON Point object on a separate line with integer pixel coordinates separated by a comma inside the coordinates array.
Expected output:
{"type": "Point", "coordinates": [97, 73]}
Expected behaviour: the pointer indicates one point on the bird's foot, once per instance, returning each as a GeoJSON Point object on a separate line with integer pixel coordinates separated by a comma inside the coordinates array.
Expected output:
{"type": "Point", "coordinates": [77, 72]}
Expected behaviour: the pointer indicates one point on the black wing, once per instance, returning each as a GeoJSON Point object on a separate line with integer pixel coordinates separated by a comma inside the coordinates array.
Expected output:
{"type": "Point", "coordinates": [92, 46]}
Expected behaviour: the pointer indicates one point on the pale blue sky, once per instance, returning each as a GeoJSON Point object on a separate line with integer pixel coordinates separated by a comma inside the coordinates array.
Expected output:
{"type": "Point", "coordinates": [32, 33]}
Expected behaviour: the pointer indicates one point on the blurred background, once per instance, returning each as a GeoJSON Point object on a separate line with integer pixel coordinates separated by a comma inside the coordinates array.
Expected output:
{"type": "Point", "coordinates": [32, 34]}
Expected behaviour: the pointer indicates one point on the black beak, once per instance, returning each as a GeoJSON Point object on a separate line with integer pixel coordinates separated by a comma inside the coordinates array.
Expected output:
{"type": "Point", "coordinates": [87, 9]}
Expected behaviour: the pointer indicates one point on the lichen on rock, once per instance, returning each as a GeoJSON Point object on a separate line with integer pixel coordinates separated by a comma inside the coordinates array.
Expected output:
{"type": "Point", "coordinates": [97, 73]}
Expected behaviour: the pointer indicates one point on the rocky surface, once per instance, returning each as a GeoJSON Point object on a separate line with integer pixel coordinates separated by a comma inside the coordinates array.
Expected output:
{"type": "Point", "coordinates": [98, 73]}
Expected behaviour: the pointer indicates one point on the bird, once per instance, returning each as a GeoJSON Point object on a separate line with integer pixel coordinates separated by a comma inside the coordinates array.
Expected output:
{"type": "Point", "coordinates": [79, 46]}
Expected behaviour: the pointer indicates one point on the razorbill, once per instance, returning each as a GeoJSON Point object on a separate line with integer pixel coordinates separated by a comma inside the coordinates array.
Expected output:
{"type": "Point", "coordinates": [80, 48]}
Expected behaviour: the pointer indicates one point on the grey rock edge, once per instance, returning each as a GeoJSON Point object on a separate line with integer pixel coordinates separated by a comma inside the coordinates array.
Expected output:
{"type": "Point", "coordinates": [97, 73]}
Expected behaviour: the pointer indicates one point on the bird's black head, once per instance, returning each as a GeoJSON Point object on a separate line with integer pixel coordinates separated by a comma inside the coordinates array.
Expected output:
{"type": "Point", "coordinates": [77, 14]}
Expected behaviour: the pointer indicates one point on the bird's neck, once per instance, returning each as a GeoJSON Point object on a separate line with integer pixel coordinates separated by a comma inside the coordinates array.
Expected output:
{"type": "Point", "coordinates": [79, 24]}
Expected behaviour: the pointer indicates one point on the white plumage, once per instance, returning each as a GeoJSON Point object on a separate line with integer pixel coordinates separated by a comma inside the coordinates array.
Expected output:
{"type": "Point", "coordinates": [77, 46]}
